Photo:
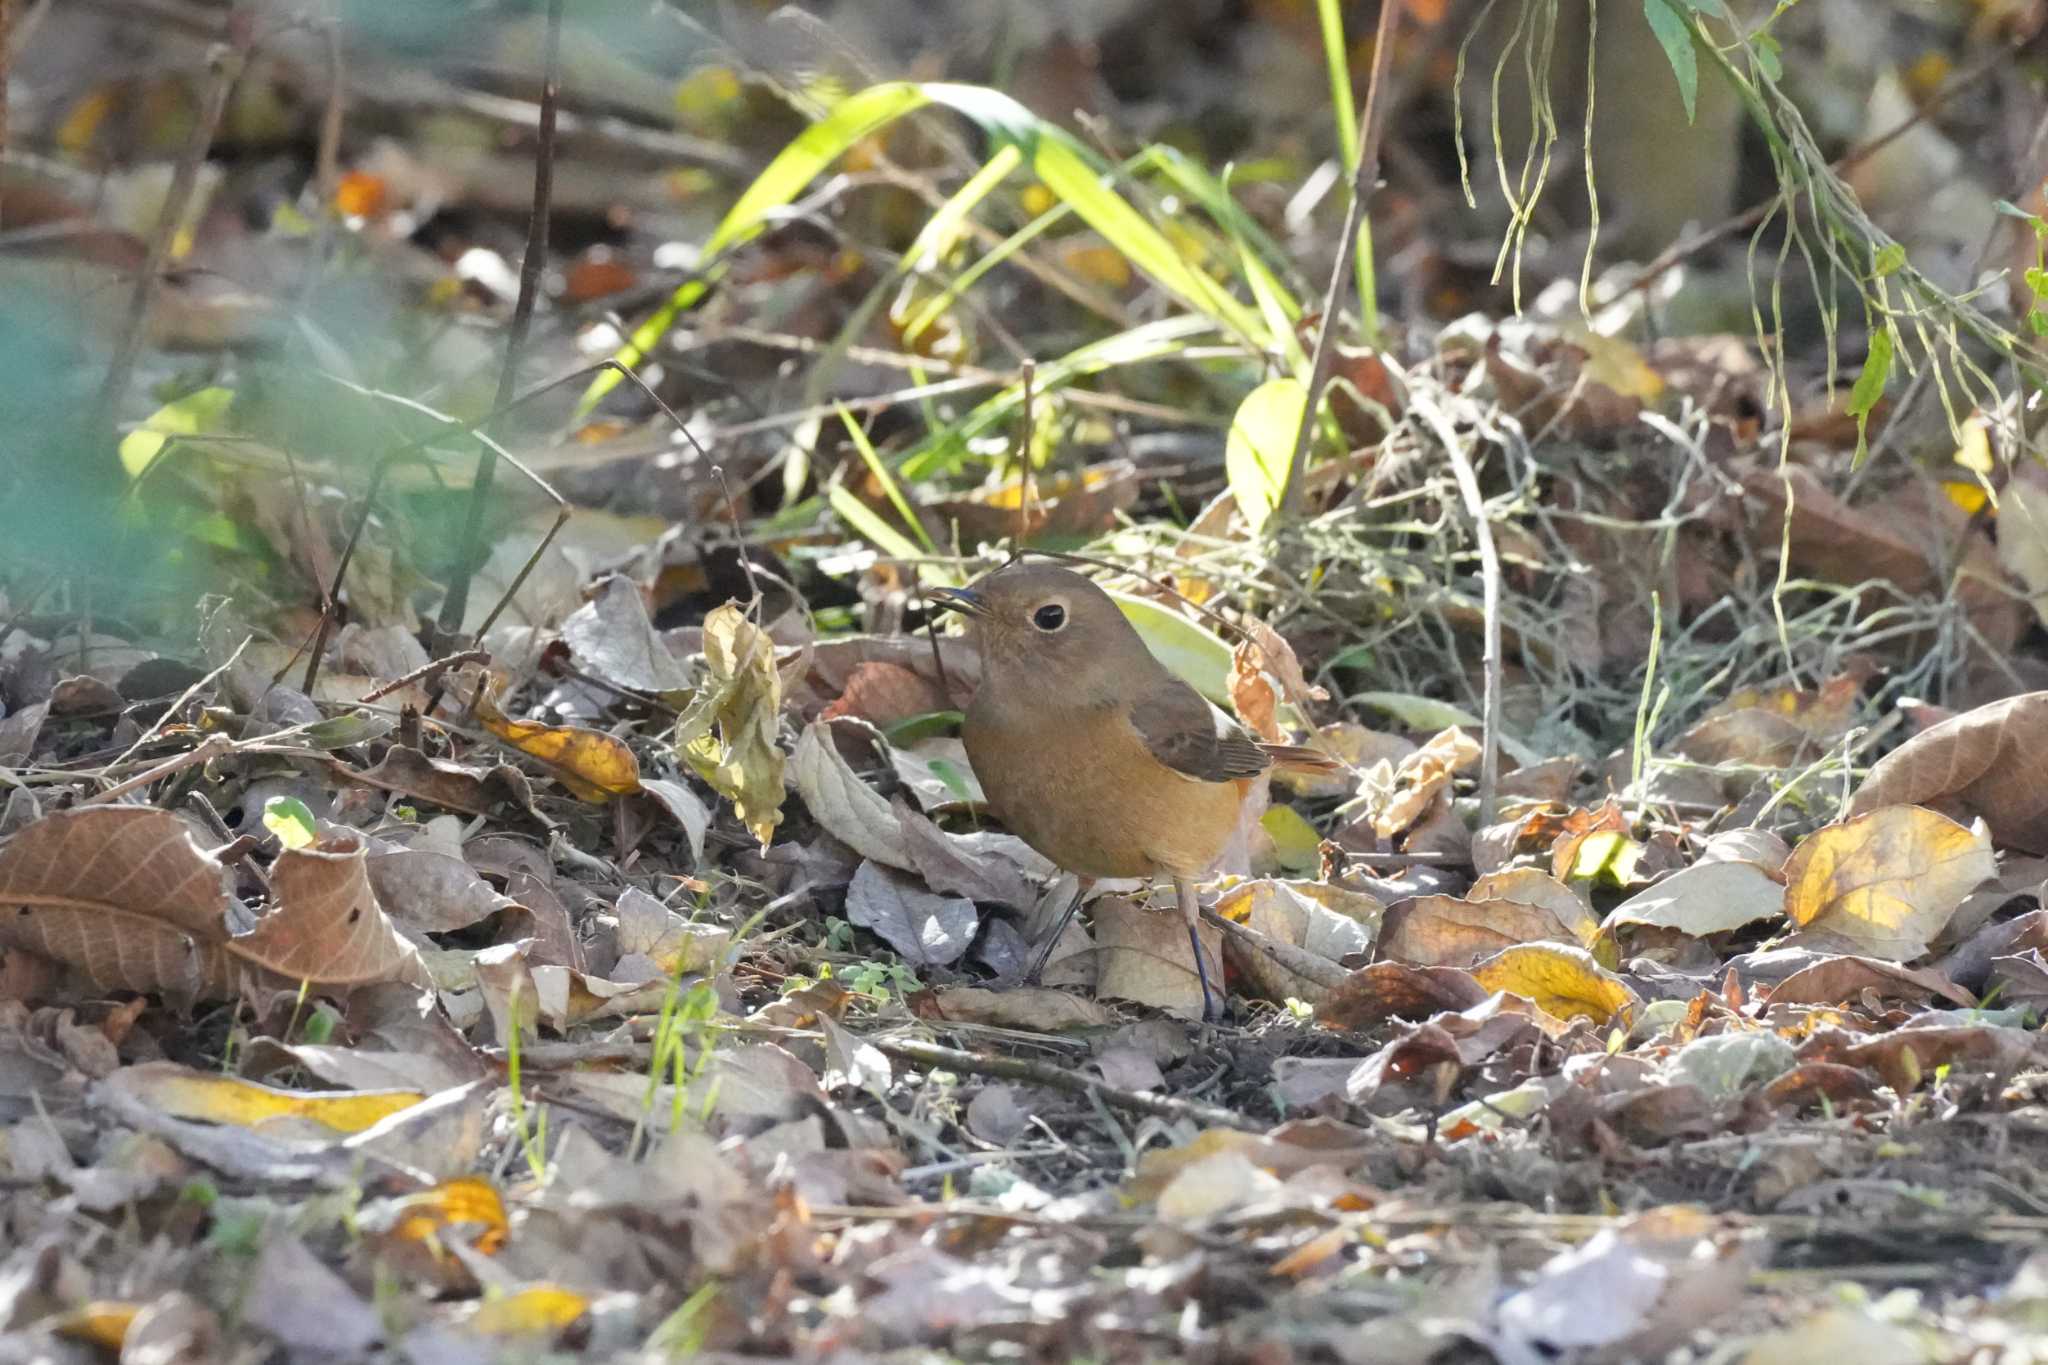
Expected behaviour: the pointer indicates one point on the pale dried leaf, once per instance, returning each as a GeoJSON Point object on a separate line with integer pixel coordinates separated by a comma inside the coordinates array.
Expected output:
{"type": "Point", "coordinates": [1143, 955]}
{"type": "Point", "coordinates": [612, 637]}
{"type": "Point", "coordinates": [326, 927]}
{"type": "Point", "coordinates": [851, 811]}
{"type": "Point", "coordinates": [689, 811]}
{"type": "Point", "coordinates": [925, 929]}
{"type": "Point", "coordinates": [1034, 1008]}
{"type": "Point", "coordinates": [432, 892]}
{"type": "Point", "coordinates": [1706, 898]}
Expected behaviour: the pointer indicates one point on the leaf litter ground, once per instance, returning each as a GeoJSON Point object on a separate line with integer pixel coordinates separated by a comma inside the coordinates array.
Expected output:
{"type": "Point", "coordinates": [649, 981]}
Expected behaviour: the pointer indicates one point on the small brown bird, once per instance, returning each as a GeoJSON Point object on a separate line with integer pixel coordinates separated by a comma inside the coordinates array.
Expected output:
{"type": "Point", "coordinates": [1090, 750]}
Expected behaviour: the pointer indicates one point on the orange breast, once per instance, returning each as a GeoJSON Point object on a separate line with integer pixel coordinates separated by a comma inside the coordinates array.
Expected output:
{"type": "Point", "coordinates": [1090, 796]}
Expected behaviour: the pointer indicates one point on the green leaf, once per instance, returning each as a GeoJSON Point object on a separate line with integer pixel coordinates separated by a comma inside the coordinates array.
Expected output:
{"type": "Point", "coordinates": [1888, 261]}
{"type": "Point", "coordinates": [1768, 54]}
{"type": "Point", "coordinates": [1674, 34]}
{"type": "Point", "coordinates": [197, 413]}
{"type": "Point", "coordinates": [291, 821]}
{"type": "Point", "coordinates": [1192, 651]}
{"type": "Point", "coordinates": [1877, 370]}
{"type": "Point", "coordinates": [1261, 443]}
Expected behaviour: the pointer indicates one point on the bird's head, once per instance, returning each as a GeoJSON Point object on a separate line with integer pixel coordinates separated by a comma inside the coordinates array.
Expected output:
{"type": "Point", "coordinates": [1040, 625]}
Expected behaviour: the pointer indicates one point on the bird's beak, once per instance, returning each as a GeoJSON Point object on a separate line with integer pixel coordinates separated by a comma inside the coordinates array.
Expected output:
{"type": "Point", "coordinates": [963, 600]}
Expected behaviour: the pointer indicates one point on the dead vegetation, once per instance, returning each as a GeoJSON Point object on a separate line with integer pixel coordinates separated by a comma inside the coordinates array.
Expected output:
{"type": "Point", "coordinates": [488, 868]}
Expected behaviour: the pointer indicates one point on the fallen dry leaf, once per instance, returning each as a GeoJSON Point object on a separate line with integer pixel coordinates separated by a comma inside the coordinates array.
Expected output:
{"type": "Point", "coordinates": [1142, 954]}
{"type": "Point", "coordinates": [1886, 881]}
{"type": "Point", "coordinates": [1034, 1008]}
{"type": "Point", "coordinates": [438, 782]}
{"type": "Point", "coordinates": [216, 1098]}
{"type": "Point", "coordinates": [1706, 898]}
{"type": "Point", "coordinates": [593, 765]}
{"type": "Point", "coordinates": [926, 929]}
{"type": "Point", "coordinates": [1990, 763]}
{"type": "Point", "coordinates": [1394, 990]}
{"type": "Point", "coordinates": [125, 895]}
{"type": "Point", "coordinates": [1421, 778]}
{"type": "Point", "coordinates": [1449, 931]}
{"type": "Point", "coordinates": [1635, 1291]}
{"type": "Point", "coordinates": [850, 810]}
{"type": "Point", "coordinates": [728, 733]}
{"type": "Point", "coordinates": [1561, 980]}
{"type": "Point", "coordinates": [612, 637]}
{"type": "Point", "coordinates": [1844, 980]}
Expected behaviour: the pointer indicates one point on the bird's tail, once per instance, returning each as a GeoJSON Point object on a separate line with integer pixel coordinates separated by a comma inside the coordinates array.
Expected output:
{"type": "Point", "coordinates": [1301, 758]}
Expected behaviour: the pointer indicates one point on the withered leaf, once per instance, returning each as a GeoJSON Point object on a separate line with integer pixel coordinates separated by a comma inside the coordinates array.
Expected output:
{"type": "Point", "coordinates": [1561, 980]}
{"type": "Point", "coordinates": [728, 732]}
{"type": "Point", "coordinates": [925, 928]}
{"type": "Point", "coordinates": [1393, 990]}
{"type": "Point", "coordinates": [1886, 881]}
{"type": "Point", "coordinates": [593, 765]}
{"type": "Point", "coordinates": [1990, 763]}
{"type": "Point", "coordinates": [326, 926]}
{"type": "Point", "coordinates": [1841, 980]}
{"type": "Point", "coordinates": [125, 895]}
{"type": "Point", "coordinates": [1706, 898]}
{"type": "Point", "coordinates": [450, 786]}
{"type": "Point", "coordinates": [612, 637]}
{"type": "Point", "coordinates": [849, 809]}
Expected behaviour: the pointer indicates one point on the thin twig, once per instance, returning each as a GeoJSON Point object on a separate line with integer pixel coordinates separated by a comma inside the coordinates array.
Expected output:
{"type": "Point", "coordinates": [1362, 181]}
{"type": "Point", "coordinates": [1489, 570]}
{"type": "Point", "coordinates": [227, 60]}
{"type": "Point", "coordinates": [433, 668]}
{"type": "Point", "coordinates": [456, 604]}
{"type": "Point", "coordinates": [208, 749]}
{"type": "Point", "coordinates": [932, 1056]}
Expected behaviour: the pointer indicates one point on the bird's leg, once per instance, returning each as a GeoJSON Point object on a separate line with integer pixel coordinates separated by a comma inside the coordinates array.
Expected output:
{"type": "Point", "coordinates": [1191, 911]}
{"type": "Point", "coordinates": [1059, 931]}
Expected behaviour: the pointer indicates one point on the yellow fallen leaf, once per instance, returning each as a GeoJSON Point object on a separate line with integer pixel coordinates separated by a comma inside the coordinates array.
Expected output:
{"type": "Point", "coordinates": [1559, 980]}
{"type": "Point", "coordinates": [1887, 881]}
{"type": "Point", "coordinates": [244, 1104]}
{"type": "Point", "coordinates": [728, 732]}
{"type": "Point", "coordinates": [103, 1322]}
{"type": "Point", "coordinates": [539, 1310]}
{"type": "Point", "coordinates": [1621, 367]}
{"type": "Point", "coordinates": [594, 766]}
{"type": "Point", "coordinates": [466, 1199]}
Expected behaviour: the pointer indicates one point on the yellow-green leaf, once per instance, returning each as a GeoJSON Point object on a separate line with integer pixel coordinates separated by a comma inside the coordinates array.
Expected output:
{"type": "Point", "coordinates": [1260, 446]}
{"type": "Point", "coordinates": [728, 733]}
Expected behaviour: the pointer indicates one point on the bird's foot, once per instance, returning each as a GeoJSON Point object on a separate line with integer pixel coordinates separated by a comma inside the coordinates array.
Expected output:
{"type": "Point", "coordinates": [1215, 1005]}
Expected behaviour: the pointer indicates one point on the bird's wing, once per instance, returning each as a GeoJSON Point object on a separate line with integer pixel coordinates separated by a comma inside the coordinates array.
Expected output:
{"type": "Point", "coordinates": [1187, 734]}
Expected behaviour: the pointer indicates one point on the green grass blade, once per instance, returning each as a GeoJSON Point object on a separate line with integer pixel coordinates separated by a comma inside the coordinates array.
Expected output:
{"type": "Point", "coordinates": [883, 477]}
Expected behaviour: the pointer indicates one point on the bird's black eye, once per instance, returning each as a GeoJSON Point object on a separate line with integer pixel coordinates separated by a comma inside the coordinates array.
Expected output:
{"type": "Point", "coordinates": [1049, 617]}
